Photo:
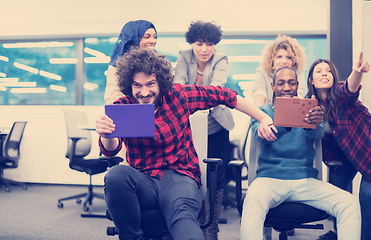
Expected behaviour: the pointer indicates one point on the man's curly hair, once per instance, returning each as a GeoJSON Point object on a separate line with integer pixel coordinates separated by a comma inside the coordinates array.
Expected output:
{"type": "Point", "coordinates": [204, 32]}
{"type": "Point", "coordinates": [291, 45]}
{"type": "Point", "coordinates": [147, 61]}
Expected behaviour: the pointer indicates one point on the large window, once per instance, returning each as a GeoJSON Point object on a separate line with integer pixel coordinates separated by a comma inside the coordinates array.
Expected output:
{"type": "Point", "coordinates": [73, 72]}
{"type": "Point", "coordinates": [37, 73]}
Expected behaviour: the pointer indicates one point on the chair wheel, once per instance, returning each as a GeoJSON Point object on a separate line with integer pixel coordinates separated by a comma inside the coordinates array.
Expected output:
{"type": "Point", "coordinates": [60, 205]}
{"type": "Point", "coordinates": [111, 231]}
{"type": "Point", "coordinates": [86, 208]}
{"type": "Point", "coordinates": [24, 187]}
{"type": "Point", "coordinates": [78, 201]}
{"type": "Point", "coordinates": [7, 189]}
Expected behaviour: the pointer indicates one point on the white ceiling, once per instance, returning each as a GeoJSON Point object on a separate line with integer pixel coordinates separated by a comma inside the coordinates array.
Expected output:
{"type": "Point", "coordinates": [79, 17]}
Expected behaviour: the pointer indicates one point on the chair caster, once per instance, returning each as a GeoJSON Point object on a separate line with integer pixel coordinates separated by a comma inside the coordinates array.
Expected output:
{"type": "Point", "coordinates": [78, 201]}
{"type": "Point", "coordinates": [7, 189]}
{"type": "Point", "coordinates": [60, 205]}
{"type": "Point", "coordinates": [112, 231]}
{"type": "Point", "coordinates": [24, 187]}
{"type": "Point", "coordinates": [86, 208]}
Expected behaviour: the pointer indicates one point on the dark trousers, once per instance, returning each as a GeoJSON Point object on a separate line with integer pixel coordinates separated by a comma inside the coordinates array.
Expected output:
{"type": "Point", "coordinates": [365, 201]}
{"type": "Point", "coordinates": [218, 147]}
{"type": "Point", "coordinates": [344, 176]}
{"type": "Point", "coordinates": [128, 192]}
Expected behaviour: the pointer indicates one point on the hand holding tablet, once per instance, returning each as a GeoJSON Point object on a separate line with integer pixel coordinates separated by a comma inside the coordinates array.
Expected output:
{"type": "Point", "coordinates": [291, 112]}
{"type": "Point", "coordinates": [132, 120]}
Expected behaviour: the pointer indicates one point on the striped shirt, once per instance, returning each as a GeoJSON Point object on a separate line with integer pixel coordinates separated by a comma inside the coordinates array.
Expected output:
{"type": "Point", "coordinates": [172, 147]}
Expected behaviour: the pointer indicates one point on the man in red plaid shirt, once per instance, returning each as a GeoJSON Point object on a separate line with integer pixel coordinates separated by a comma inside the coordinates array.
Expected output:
{"type": "Point", "coordinates": [164, 170]}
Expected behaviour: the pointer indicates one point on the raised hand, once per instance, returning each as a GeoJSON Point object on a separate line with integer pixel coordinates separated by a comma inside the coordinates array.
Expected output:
{"type": "Point", "coordinates": [362, 65]}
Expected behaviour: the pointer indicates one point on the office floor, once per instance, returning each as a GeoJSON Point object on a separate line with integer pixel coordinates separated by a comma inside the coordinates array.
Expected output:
{"type": "Point", "coordinates": [33, 214]}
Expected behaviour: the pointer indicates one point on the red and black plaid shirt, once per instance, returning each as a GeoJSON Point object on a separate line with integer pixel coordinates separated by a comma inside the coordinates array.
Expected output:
{"type": "Point", "coordinates": [351, 132]}
{"type": "Point", "coordinates": [172, 147]}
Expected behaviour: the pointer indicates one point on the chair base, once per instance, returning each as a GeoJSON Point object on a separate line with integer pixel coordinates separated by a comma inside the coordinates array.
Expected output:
{"type": "Point", "coordinates": [7, 182]}
{"type": "Point", "coordinates": [89, 196]}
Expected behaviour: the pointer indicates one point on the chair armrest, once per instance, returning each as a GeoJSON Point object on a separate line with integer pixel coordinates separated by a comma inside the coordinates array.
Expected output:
{"type": "Point", "coordinates": [332, 165]}
{"type": "Point", "coordinates": [212, 166]}
{"type": "Point", "coordinates": [237, 165]}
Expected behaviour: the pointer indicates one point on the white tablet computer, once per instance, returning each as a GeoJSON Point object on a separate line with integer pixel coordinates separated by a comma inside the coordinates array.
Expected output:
{"type": "Point", "coordinates": [132, 120]}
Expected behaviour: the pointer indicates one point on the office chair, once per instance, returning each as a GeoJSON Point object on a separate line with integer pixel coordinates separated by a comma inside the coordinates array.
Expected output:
{"type": "Point", "coordinates": [288, 215]}
{"type": "Point", "coordinates": [11, 154]}
{"type": "Point", "coordinates": [79, 146]}
{"type": "Point", "coordinates": [237, 168]}
{"type": "Point", "coordinates": [152, 221]}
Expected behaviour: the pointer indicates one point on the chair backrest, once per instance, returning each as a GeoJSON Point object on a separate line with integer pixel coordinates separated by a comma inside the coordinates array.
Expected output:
{"type": "Point", "coordinates": [74, 121]}
{"type": "Point", "coordinates": [13, 142]}
{"type": "Point", "coordinates": [254, 151]}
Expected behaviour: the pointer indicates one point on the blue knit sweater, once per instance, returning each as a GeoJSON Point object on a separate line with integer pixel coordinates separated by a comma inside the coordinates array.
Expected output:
{"type": "Point", "coordinates": [291, 156]}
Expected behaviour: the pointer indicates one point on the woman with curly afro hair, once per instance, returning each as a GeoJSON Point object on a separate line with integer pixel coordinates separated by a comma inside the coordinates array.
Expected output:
{"type": "Point", "coordinates": [283, 52]}
{"type": "Point", "coordinates": [204, 65]}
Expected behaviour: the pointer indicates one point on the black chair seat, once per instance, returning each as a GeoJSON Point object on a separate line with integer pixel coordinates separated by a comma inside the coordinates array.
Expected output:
{"type": "Point", "coordinates": [292, 214]}
{"type": "Point", "coordinates": [92, 167]}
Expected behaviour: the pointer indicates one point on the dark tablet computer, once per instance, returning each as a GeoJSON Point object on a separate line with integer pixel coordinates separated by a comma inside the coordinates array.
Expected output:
{"type": "Point", "coordinates": [291, 112]}
{"type": "Point", "coordinates": [132, 120]}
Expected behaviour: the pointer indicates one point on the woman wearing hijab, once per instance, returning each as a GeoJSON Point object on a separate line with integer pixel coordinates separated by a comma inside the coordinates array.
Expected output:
{"type": "Point", "coordinates": [140, 33]}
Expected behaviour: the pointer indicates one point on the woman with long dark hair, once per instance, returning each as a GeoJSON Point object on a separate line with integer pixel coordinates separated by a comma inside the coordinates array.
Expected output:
{"type": "Point", "coordinates": [347, 127]}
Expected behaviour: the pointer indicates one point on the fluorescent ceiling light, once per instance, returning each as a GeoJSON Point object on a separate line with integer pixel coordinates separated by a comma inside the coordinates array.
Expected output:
{"type": "Point", "coordinates": [58, 88]}
{"type": "Point", "coordinates": [3, 75]}
{"type": "Point", "coordinates": [91, 86]}
{"type": "Point", "coordinates": [244, 85]}
{"type": "Point", "coordinates": [93, 52]}
{"type": "Point", "coordinates": [26, 68]}
{"type": "Point", "coordinates": [2, 89]}
{"type": "Point", "coordinates": [247, 94]}
{"type": "Point", "coordinates": [248, 77]}
{"type": "Point", "coordinates": [18, 84]}
{"type": "Point", "coordinates": [63, 60]}
{"type": "Point", "coordinates": [28, 90]}
{"type": "Point", "coordinates": [92, 40]}
{"type": "Point", "coordinates": [243, 41]}
{"type": "Point", "coordinates": [37, 44]}
{"type": "Point", "coordinates": [104, 59]}
{"type": "Point", "coordinates": [5, 79]}
{"type": "Point", "coordinates": [3, 58]}
{"type": "Point", "coordinates": [244, 58]}
{"type": "Point", "coordinates": [50, 75]}
{"type": "Point", "coordinates": [112, 39]}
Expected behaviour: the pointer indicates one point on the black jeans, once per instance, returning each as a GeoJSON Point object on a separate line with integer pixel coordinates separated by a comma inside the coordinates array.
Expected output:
{"type": "Point", "coordinates": [218, 146]}
{"type": "Point", "coordinates": [128, 192]}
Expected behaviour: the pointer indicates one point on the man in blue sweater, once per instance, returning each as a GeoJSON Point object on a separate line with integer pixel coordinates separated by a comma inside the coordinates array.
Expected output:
{"type": "Point", "coordinates": [286, 172]}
